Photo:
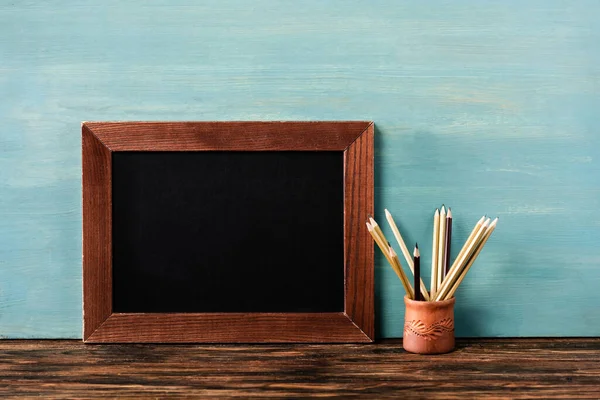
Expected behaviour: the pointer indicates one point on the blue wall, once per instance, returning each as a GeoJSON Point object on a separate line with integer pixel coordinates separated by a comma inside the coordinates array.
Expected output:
{"type": "Point", "coordinates": [489, 106]}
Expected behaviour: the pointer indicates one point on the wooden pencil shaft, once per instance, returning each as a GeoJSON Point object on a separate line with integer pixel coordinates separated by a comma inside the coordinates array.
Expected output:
{"type": "Point", "coordinates": [409, 260]}
{"type": "Point", "coordinates": [470, 237]}
{"type": "Point", "coordinates": [417, 276]}
{"type": "Point", "coordinates": [377, 229]}
{"type": "Point", "coordinates": [393, 263]}
{"type": "Point", "coordinates": [403, 278]}
{"type": "Point", "coordinates": [382, 246]}
{"type": "Point", "coordinates": [465, 270]}
{"type": "Point", "coordinates": [399, 239]}
{"type": "Point", "coordinates": [459, 263]}
{"type": "Point", "coordinates": [439, 274]}
{"type": "Point", "coordinates": [447, 254]}
{"type": "Point", "coordinates": [471, 261]}
{"type": "Point", "coordinates": [434, 252]}
{"type": "Point", "coordinates": [380, 238]}
{"type": "Point", "coordinates": [408, 287]}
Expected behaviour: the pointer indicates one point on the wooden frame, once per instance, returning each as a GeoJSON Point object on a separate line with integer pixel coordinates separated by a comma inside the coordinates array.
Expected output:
{"type": "Point", "coordinates": [101, 139]}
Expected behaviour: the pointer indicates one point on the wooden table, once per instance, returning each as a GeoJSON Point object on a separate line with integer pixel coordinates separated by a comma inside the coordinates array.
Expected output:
{"type": "Point", "coordinates": [507, 368]}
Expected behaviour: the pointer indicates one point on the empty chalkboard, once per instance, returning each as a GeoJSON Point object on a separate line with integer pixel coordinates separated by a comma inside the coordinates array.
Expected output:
{"type": "Point", "coordinates": [228, 231]}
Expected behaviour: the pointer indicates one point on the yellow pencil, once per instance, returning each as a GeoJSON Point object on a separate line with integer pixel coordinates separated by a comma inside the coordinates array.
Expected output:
{"type": "Point", "coordinates": [434, 252]}
{"type": "Point", "coordinates": [479, 223]}
{"type": "Point", "coordinates": [405, 252]}
{"type": "Point", "coordinates": [439, 274]}
{"type": "Point", "coordinates": [464, 271]}
{"type": "Point", "coordinates": [394, 263]}
{"type": "Point", "coordinates": [379, 243]}
{"type": "Point", "coordinates": [403, 278]}
{"type": "Point", "coordinates": [459, 262]}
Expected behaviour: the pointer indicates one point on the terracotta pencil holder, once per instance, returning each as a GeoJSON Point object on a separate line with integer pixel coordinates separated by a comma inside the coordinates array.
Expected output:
{"type": "Point", "coordinates": [428, 326]}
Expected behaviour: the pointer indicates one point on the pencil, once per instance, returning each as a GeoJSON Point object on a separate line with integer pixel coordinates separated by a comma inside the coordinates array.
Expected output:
{"type": "Point", "coordinates": [403, 278]}
{"type": "Point", "coordinates": [405, 252]}
{"type": "Point", "coordinates": [395, 265]}
{"type": "Point", "coordinates": [459, 262]}
{"type": "Point", "coordinates": [477, 225]}
{"type": "Point", "coordinates": [417, 275]}
{"type": "Point", "coordinates": [439, 275]}
{"type": "Point", "coordinates": [377, 233]}
{"type": "Point", "coordinates": [448, 242]}
{"type": "Point", "coordinates": [398, 236]}
{"type": "Point", "coordinates": [482, 242]}
{"type": "Point", "coordinates": [376, 228]}
{"type": "Point", "coordinates": [434, 252]}
{"type": "Point", "coordinates": [379, 243]}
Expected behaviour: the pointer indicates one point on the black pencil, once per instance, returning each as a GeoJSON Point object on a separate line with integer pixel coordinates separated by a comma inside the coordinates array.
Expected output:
{"type": "Point", "coordinates": [417, 272]}
{"type": "Point", "coordinates": [448, 241]}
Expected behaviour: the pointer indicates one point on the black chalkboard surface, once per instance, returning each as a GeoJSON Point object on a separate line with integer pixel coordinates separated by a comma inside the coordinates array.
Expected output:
{"type": "Point", "coordinates": [228, 231]}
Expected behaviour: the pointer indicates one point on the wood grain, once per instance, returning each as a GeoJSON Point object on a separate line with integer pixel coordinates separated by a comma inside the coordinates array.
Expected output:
{"type": "Point", "coordinates": [97, 232]}
{"type": "Point", "coordinates": [358, 246]}
{"type": "Point", "coordinates": [229, 328]}
{"type": "Point", "coordinates": [500, 368]}
{"type": "Point", "coordinates": [212, 136]}
{"type": "Point", "coordinates": [101, 325]}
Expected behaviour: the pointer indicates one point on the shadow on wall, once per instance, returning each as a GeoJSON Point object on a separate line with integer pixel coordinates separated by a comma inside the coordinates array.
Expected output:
{"type": "Point", "coordinates": [378, 256]}
{"type": "Point", "coordinates": [379, 259]}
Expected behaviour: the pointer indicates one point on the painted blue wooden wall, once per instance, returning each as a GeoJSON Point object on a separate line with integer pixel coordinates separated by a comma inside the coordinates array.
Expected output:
{"type": "Point", "coordinates": [489, 106]}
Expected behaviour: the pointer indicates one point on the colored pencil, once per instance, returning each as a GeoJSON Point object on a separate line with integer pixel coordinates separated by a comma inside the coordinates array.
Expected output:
{"type": "Point", "coordinates": [377, 240]}
{"type": "Point", "coordinates": [439, 274]}
{"type": "Point", "coordinates": [403, 278]}
{"type": "Point", "coordinates": [447, 254]}
{"type": "Point", "coordinates": [434, 252]}
{"type": "Point", "coordinates": [376, 228]}
{"type": "Point", "coordinates": [405, 252]}
{"type": "Point", "coordinates": [395, 265]}
{"type": "Point", "coordinates": [464, 271]}
{"type": "Point", "coordinates": [459, 263]}
{"type": "Point", "coordinates": [417, 275]}
{"type": "Point", "coordinates": [477, 226]}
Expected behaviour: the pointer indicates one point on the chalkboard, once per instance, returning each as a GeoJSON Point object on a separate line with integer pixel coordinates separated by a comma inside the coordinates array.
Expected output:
{"type": "Point", "coordinates": [227, 232]}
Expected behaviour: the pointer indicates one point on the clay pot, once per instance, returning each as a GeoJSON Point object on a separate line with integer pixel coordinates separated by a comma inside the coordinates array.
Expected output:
{"type": "Point", "coordinates": [428, 326]}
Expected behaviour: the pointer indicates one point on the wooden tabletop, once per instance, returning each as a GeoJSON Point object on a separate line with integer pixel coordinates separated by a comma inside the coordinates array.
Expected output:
{"type": "Point", "coordinates": [501, 368]}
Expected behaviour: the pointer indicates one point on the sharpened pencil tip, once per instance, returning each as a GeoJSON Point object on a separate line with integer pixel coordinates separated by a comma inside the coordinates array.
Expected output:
{"type": "Point", "coordinates": [370, 216]}
{"type": "Point", "coordinates": [416, 252]}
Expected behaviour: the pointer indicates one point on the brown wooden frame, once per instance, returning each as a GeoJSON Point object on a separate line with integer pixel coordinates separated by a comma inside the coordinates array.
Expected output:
{"type": "Point", "coordinates": [101, 139]}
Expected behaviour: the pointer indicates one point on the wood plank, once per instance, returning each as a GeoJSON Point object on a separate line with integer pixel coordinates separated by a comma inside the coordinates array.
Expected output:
{"type": "Point", "coordinates": [358, 245]}
{"type": "Point", "coordinates": [223, 136]}
{"type": "Point", "coordinates": [97, 232]}
{"type": "Point", "coordinates": [228, 327]}
{"type": "Point", "coordinates": [495, 368]}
